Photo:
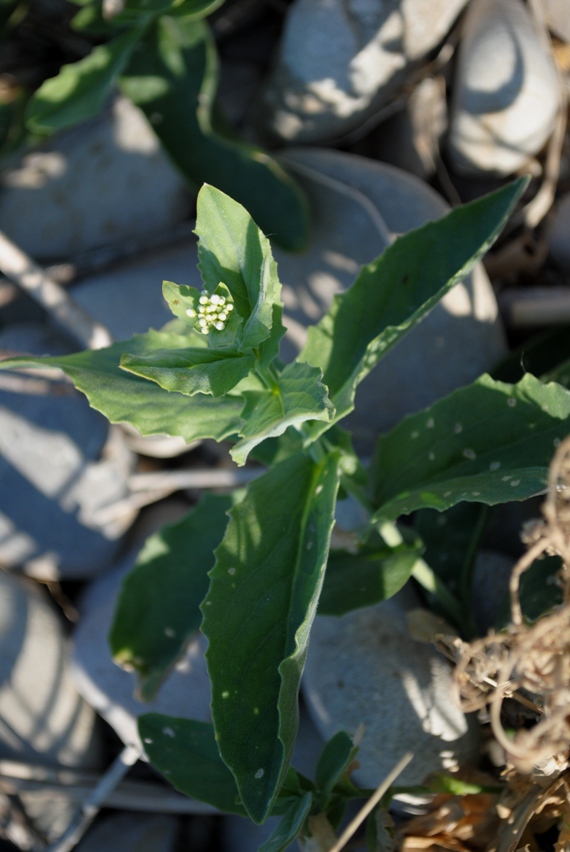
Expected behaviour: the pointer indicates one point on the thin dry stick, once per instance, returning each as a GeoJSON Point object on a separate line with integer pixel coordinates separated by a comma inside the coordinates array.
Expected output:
{"type": "Point", "coordinates": [18, 267]}
{"type": "Point", "coordinates": [92, 805]}
{"type": "Point", "coordinates": [371, 803]}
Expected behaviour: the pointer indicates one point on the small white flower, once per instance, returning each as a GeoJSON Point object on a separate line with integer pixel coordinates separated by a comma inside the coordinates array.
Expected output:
{"type": "Point", "coordinates": [213, 311]}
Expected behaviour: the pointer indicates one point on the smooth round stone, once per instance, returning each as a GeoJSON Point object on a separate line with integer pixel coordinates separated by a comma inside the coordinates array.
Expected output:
{"type": "Point", "coordinates": [111, 690]}
{"type": "Point", "coordinates": [100, 182]}
{"type": "Point", "coordinates": [365, 669]}
{"type": "Point", "coordinates": [128, 298]}
{"type": "Point", "coordinates": [61, 466]}
{"type": "Point", "coordinates": [340, 61]}
{"type": "Point", "coordinates": [358, 206]}
{"type": "Point", "coordinates": [505, 90]}
{"type": "Point", "coordinates": [557, 16]}
{"type": "Point", "coordinates": [129, 832]}
{"type": "Point", "coordinates": [411, 138]}
{"type": "Point", "coordinates": [558, 234]}
{"type": "Point", "coordinates": [44, 719]}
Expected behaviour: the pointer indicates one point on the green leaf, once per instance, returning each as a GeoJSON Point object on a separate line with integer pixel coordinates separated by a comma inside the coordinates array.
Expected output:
{"type": "Point", "coordinates": [232, 249]}
{"type": "Point", "coordinates": [560, 374]}
{"type": "Point", "coordinates": [191, 9]}
{"type": "Point", "coordinates": [296, 397]}
{"type": "Point", "coordinates": [191, 371]}
{"type": "Point", "coordinates": [80, 90]}
{"type": "Point", "coordinates": [335, 759]}
{"type": "Point", "coordinates": [539, 592]}
{"type": "Point", "coordinates": [542, 356]}
{"type": "Point", "coordinates": [487, 443]}
{"type": "Point", "coordinates": [394, 292]}
{"type": "Point", "coordinates": [373, 574]}
{"type": "Point", "coordinates": [257, 617]}
{"type": "Point", "coordinates": [7, 7]}
{"type": "Point", "coordinates": [174, 81]}
{"type": "Point", "coordinates": [181, 298]}
{"type": "Point", "coordinates": [159, 605]}
{"type": "Point", "coordinates": [124, 397]}
{"type": "Point", "coordinates": [289, 826]}
{"type": "Point", "coordinates": [185, 752]}
{"type": "Point", "coordinates": [452, 540]}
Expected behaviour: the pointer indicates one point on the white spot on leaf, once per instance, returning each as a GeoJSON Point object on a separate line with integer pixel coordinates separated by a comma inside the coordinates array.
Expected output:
{"type": "Point", "coordinates": [259, 774]}
{"type": "Point", "coordinates": [168, 732]}
{"type": "Point", "coordinates": [469, 453]}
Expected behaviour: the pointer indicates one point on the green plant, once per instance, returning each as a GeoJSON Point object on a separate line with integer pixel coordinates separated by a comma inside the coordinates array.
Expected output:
{"type": "Point", "coordinates": [161, 55]}
{"type": "Point", "coordinates": [254, 583]}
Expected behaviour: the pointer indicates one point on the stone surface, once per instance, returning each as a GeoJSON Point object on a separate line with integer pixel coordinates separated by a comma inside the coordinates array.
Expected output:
{"type": "Point", "coordinates": [128, 298]}
{"type": "Point", "coordinates": [60, 465]}
{"type": "Point", "coordinates": [340, 61]}
{"type": "Point", "coordinates": [364, 669]}
{"type": "Point", "coordinates": [411, 138]}
{"type": "Point", "coordinates": [43, 718]}
{"type": "Point", "coordinates": [132, 833]}
{"type": "Point", "coordinates": [358, 205]}
{"type": "Point", "coordinates": [505, 90]}
{"type": "Point", "coordinates": [100, 182]}
{"type": "Point", "coordinates": [557, 16]}
{"type": "Point", "coordinates": [558, 234]}
{"type": "Point", "coordinates": [110, 689]}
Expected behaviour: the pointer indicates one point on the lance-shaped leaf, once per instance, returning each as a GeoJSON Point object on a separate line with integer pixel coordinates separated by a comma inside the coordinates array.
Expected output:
{"type": "Point", "coordinates": [257, 618]}
{"type": "Point", "coordinates": [452, 540]}
{"type": "Point", "coordinates": [174, 81]}
{"type": "Point", "coordinates": [80, 90]}
{"type": "Point", "coordinates": [335, 759]}
{"type": "Point", "coordinates": [186, 753]}
{"type": "Point", "coordinates": [373, 574]}
{"type": "Point", "coordinates": [395, 291]}
{"type": "Point", "coordinates": [232, 249]}
{"type": "Point", "coordinates": [290, 825]}
{"type": "Point", "coordinates": [159, 605]}
{"type": "Point", "coordinates": [191, 371]}
{"type": "Point", "coordinates": [296, 397]}
{"type": "Point", "coordinates": [125, 398]}
{"type": "Point", "coordinates": [487, 443]}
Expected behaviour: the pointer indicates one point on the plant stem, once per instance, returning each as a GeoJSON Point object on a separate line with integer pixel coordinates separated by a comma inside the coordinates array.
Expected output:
{"type": "Point", "coordinates": [427, 578]}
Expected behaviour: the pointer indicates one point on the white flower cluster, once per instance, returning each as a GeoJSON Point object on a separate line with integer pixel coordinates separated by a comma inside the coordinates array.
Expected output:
{"type": "Point", "coordinates": [213, 312]}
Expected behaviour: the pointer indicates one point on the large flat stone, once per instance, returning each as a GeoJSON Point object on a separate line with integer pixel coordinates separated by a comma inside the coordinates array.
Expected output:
{"type": "Point", "coordinates": [339, 62]}
{"type": "Point", "coordinates": [100, 182]}
{"type": "Point", "coordinates": [60, 465]}
{"type": "Point", "coordinates": [365, 669]}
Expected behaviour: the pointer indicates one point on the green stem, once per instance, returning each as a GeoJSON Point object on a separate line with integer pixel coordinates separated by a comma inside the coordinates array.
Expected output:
{"type": "Point", "coordinates": [426, 577]}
